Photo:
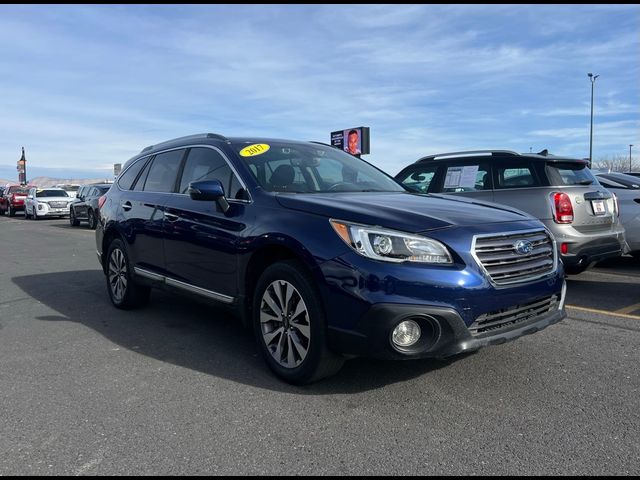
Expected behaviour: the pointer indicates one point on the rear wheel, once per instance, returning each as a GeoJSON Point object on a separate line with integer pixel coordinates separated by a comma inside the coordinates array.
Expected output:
{"type": "Point", "coordinates": [93, 222]}
{"type": "Point", "coordinates": [290, 326]}
{"type": "Point", "coordinates": [123, 290]}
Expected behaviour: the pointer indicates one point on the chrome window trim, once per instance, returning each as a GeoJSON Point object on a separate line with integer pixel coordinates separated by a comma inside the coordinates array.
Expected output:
{"type": "Point", "coordinates": [196, 145]}
{"type": "Point", "coordinates": [506, 234]}
{"type": "Point", "coordinates": [183, 285]}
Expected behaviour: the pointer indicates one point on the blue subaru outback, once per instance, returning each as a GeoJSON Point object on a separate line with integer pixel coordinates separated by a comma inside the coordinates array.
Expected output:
{"type": "Point", "coordinates": [323, 255]}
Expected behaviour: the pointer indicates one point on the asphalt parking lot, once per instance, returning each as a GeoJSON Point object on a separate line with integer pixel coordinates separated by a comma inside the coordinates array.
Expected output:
{"type": "Point", "coordinates": [179, 388]}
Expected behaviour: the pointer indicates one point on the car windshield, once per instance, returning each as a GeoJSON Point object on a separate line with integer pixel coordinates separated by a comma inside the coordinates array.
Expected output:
{"type": "Point", "coordinates": [570, 174]}
{"type": "Point", "coordinates": [51, 193]}
{"type": "Point", "coordinates": [311, 168]}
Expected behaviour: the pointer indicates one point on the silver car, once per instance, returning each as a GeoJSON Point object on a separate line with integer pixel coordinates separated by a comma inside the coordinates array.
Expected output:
{"type": "Point", "coordinates": [561, 192]}
{"type": "Point", "coordinates": [627, 189]}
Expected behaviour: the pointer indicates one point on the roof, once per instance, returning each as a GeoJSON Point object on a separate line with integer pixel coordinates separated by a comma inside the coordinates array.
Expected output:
{"type": "Point", "coordinates": [544, 155]}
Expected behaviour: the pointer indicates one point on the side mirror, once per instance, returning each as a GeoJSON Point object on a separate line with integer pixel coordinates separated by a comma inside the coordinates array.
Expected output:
{"type": "Point", "coordinates": [207, 191]}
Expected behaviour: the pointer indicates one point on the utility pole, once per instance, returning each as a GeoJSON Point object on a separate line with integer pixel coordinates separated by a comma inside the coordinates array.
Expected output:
{"type": "Point", "coordinates": [592, 77]}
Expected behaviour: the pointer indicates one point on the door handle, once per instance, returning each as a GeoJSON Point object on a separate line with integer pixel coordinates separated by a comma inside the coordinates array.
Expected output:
{"type": "Point", "coordinates": [126, 206]}
{"type": "Point", "coordinates": [171, 217]}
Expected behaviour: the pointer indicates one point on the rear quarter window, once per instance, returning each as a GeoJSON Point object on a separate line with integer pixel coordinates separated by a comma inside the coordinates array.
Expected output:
{"type": "Point", "coordinates": [516, 175]}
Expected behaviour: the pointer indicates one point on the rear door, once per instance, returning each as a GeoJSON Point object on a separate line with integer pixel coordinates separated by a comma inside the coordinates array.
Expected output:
{"type": "Point", "coordinates": [142, 209]}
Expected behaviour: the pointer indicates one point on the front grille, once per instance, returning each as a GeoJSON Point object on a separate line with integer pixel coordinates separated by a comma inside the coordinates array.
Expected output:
{"type": "Point", "coordinates": [500, 258]}
{"type": "Point", "coordinates": [512, 316]}
{"type": "Point", "coordinates": [58, 204]}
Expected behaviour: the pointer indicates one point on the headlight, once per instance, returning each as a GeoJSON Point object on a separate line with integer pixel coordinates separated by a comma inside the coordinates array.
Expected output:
{"type": "Point", "coordinates": [390, 245]}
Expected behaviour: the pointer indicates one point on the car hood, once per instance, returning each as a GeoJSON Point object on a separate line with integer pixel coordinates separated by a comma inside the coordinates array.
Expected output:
{"type": "Point", "coordinates": [407, 212]}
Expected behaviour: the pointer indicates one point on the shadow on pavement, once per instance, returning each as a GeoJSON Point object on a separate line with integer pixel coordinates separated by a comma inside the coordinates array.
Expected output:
{"type": "Point", "coordinates": [191, 334]}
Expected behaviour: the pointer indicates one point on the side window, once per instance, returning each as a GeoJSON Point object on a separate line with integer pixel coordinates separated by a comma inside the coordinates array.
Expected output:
{"type": "Point", "coordinates": [419, 179]}
{"type": "Point", "coordinates": [126, 179]}
{"type": "Point", "coordinates": [163, 172]}
{"type": "Point", "coordinates": [139, 185]}
{"type": "Point", "coordinates": [206, 164]}
{"type": "Point", "coordinates": [521, 175]}
{"type": "Point", "coordinates": [467, 177]}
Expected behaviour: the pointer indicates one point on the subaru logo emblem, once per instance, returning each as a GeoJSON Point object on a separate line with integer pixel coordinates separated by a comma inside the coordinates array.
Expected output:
{"type": "Point", "coordinates": [523, 247]}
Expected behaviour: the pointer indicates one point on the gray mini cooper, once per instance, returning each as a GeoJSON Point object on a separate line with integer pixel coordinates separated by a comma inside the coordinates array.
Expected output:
{"type": "Point", "coordinates": [560, 191]}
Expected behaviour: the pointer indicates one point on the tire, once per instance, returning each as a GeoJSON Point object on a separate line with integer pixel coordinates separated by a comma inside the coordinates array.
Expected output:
{"type": "Point", "coordinates": [93, 221]}
{"type": "Point", "coordinates": [72, 219]}
{"type": "Point", "coordinates": [123, 291]}
{"type": "Point", "coordinates": [35, 213]}
{"type": "Point", "coordinates": [12, 211]}
{"type": "Point", "coordinates": [2, 212]}
{"type": "Point", "coordinates": [26, 213]}
{"type": "Point", "coordinates": [283, 332]}
{"type": "Point", "coordinates": [575, 269]}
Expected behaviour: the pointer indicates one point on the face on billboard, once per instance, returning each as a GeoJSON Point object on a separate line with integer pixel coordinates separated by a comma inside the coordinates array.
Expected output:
{"type": "Point", "coordinates": [352, 145]}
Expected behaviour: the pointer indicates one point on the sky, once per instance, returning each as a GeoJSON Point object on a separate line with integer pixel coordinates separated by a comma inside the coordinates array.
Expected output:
{"type": "Point", "coordinates": [85, 86]}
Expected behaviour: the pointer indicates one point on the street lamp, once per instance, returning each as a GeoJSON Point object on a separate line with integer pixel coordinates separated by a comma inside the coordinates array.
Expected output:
{"type": "Point", "coordinates": [630, 145]}
{"type": "Point", "coordinates": [592, 77]}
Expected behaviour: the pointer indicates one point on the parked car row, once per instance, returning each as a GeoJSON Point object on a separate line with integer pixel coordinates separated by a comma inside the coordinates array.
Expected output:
{"type": "Point", "coordinates": [35, 203]}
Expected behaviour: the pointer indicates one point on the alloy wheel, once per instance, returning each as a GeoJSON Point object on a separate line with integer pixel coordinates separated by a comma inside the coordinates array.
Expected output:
{"type": "Point", "coordinates": [118, 275]}
{"type": "Point", "coordinates": [285, 324]}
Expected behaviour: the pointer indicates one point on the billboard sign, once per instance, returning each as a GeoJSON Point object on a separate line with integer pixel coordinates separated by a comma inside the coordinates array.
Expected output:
{"type": "Point", "coordinates": [352, 140]}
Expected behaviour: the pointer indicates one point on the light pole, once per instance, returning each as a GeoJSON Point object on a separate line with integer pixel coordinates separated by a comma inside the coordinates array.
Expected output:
{"type": "Point", "coordinates": [592, 77]}
{"type": "Point", "coordinates": [630, 145]}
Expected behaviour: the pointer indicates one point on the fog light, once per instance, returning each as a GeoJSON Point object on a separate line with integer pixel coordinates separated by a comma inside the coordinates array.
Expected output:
{"type": "Point", "coordinates": [40, 206]}
{"type": "Point", "coordinates": [406, 333]}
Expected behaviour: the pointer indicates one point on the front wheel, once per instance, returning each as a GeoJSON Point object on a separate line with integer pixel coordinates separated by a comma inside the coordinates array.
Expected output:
{"type": "Point", "coordinates": [123, 290]}
{"type": "Point", "coordinates": [12, 211]}
{"type": "Point", "coordinates": [290, 326]}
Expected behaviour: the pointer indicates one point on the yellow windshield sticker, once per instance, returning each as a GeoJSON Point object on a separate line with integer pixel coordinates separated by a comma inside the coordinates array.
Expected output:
{"type": "Point", "coordinates": [255, 149]}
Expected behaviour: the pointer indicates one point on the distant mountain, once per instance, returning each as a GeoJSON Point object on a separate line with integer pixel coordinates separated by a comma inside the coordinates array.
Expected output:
{"type": "Point", "coordinates": [50, 182]}
{"type": "Point", "coordinates": [84, 175]}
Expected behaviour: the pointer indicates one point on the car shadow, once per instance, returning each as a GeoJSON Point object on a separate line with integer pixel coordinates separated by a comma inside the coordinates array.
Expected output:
{"type": "Point", "coordinates": [192, 334]}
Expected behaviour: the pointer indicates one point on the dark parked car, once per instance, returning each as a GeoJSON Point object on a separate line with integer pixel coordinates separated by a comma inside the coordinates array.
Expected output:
{"type": "Point", "coordinates": [85, 208]}
{"type": "Point", "coordinates": [323, 254]}
{"type": "Point", "coordinates": [561, 192]}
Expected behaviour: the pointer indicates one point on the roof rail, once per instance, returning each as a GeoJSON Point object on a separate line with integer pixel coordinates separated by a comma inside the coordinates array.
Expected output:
{"type": "Point", "coordinates": [188, 137]}
{"type": "Point", "coordinates": [469, 153]}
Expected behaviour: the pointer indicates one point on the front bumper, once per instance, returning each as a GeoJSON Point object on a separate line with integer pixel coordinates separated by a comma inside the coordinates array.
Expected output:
{"type": "Point", "coordinates": [444, 333]}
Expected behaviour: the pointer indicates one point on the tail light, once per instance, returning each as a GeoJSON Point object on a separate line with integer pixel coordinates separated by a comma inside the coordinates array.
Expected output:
{"type": "Point", "coordinates": [101, 201]}
{"type": "Point", "coordinates": [563, 210]}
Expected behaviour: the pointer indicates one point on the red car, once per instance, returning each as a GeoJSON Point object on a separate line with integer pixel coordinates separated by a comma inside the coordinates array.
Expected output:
{"type": "Point", "coordinates": [12, 200]}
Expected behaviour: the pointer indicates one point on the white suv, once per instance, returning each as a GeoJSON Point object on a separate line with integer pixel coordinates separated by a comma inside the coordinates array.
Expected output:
{"type": "Point", "coordinates": [47, 202]}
